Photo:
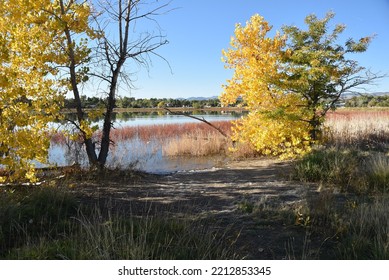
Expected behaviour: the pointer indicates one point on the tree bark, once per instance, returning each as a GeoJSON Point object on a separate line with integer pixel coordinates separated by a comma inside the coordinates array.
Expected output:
{"type": "Point", "coordinates": [116, 57]}
{"type": "Point", "coordinates": [107, 125]}
{"type": "Point", "coordinates": [89, 145]}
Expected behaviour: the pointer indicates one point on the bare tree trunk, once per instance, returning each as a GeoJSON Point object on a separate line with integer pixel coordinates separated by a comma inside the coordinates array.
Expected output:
{"type": "Point", "coordinates": [89, 145]}
{"type": "Point", "coordinates": [115, 57]}
{"type": "Point", "coordinates": [105, 138]}
{"type": "Point", "coordinates": [111, 54]}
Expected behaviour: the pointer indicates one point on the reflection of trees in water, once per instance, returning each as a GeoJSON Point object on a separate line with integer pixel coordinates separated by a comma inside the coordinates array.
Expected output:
{"type": "Point", "coordinates": [129, 154]}
{"type": "Point", "coordinates": [73, 150]}
{"type": "Point", "coordinates": [74, 153]}
{"type": "Point", "coordinates": [128, 116]}
{"type": "Point", "coordinates": [132, 154]}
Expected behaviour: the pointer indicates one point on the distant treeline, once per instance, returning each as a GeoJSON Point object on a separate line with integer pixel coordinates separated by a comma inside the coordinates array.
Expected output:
{"type": "Point", "coordinates": [131, 102]}
{"type": "Point", "coordinates": [368, 101]}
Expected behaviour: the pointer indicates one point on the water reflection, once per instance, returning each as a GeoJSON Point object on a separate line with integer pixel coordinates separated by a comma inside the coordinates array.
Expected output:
{"type": "Point", "coordinates": [140, 118]}
{"type": "Point", "coordinates": [133, 154]}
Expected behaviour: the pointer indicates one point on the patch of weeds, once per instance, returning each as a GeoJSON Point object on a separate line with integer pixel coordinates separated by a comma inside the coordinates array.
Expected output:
{"type": "Point", "coordinates": [300, 249]}
{"type": "Point", "coordinates": [368, 231]}
{"type": "Point", "coordinates": [246, 206]}
{"type": "Point", "coordinates": [345, 226]}
{"type": "Point", "coordinates": [263, 205]}
{"type": "Point", "coordinates": [345, 169]}
{"type": "Point", "coordinates": [377, 173]}
{"type": "Point", "coordinates": [135, 238]}
{"type": "Point", "coordinates": [27, 215]}
{"type": "Point", "coordinates": [323, 217]}
{"type": "Point", "coordinates": [284, 217]}
{"type": "Point", "coordinates": [50, 224]}
{"type": "Point", "coordinates": [340, 168]}
{"type": "Point", "coordinates": [333, 167]}
{"type": "Point", "coordinates": [76, 176]}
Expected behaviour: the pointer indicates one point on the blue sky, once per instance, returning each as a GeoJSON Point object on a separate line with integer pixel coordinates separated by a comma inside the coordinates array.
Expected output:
{"type": "Point", "coordinates": [199, 29]}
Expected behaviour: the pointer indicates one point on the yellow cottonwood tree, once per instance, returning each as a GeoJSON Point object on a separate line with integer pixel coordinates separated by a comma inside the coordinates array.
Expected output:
{"type": "Point", "coordinates": [30, 89]}
{"type": "Point", "coordinates": [289, 82]}
{"type": "Point", "coordinates": [270, 127]}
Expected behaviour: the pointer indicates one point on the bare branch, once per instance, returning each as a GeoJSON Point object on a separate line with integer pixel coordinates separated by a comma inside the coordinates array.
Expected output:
{"type": "Point", "coordinates": [199, 119]}
{"type": "Point", "coordinates": [128, 46]}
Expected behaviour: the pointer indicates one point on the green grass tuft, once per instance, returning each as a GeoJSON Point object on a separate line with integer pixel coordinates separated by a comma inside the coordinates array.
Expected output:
{"type": "Point", "coordinates": [336, 167]}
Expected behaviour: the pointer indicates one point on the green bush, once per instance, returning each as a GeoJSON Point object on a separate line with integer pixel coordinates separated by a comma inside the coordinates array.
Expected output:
{"type": "Point", "coordinates": [332, 166]}
{"type": "Point", "coordinates": [348, 170]}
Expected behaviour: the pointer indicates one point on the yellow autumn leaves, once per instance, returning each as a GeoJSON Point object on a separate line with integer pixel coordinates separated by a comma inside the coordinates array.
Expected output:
{"type": "Point", "coordinates": [31, 92]}
{"type": "Point", "coordinates": [273, 125]}
{"type": "Point", "coordinates": [290, 81]}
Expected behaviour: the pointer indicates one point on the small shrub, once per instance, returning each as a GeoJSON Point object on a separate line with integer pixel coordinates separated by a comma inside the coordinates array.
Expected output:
{"type": "Point", "coordinates": [246, 206]}
{"type": "Point", "coordinates": [377, 173]}
{"type": "Point", "coordinates": [330, 166]}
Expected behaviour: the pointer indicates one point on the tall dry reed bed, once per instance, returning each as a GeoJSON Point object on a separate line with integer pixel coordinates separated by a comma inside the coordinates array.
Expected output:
{"type": "Point", "coordinates": [192, 139]}
{"type": "Point", "coordinates": [168, 131]}
{"type": "Point", "coordinates": [366, 129]}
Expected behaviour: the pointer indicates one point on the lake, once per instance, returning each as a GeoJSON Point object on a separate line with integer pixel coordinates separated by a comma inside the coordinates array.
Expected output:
{"type": "Point", "coordinates": [143, 155]}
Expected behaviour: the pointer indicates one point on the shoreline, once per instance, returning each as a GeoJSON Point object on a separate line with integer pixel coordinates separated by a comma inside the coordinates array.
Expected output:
{"type": "Point", "coordinates": [173, 109]}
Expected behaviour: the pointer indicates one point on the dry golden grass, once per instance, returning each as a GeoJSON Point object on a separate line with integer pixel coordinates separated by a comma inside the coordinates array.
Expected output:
{"type": "Point", "coordinates": [168, 131]}
{"type": "Point", "coordinates": [196, 144]}
{"type": "Point", "coordinates": [191, 139]}
{"type": "Point", "coordinates": [359, 128]}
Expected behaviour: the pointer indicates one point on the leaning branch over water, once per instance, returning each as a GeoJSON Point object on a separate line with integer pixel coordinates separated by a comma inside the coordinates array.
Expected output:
{"type": "Point", "coordinates": [196, 118]}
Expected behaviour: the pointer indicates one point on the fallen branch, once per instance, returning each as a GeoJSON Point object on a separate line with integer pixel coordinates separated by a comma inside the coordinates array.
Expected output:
{"type": "Point", "coordinates": [196, 118]}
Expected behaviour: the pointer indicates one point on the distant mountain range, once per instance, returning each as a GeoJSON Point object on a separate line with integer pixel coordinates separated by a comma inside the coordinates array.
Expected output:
{"type": "Point", "coordinates": [378, 93]}
{"type": "Point", "coordinates": [200, 98]}
{"type": "Point", "coordinates": [348, 95]}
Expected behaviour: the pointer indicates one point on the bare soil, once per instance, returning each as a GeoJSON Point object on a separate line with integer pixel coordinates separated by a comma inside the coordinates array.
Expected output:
{"type": "Point", "coordinates": [253, 201]}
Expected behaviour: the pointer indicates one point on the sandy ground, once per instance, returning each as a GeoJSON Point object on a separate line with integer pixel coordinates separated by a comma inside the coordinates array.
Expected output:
{"type": "Point", "coordinates": [244, 196]}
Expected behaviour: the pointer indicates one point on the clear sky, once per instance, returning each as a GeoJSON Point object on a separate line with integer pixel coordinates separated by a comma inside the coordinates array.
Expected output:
{"type": "Point", "coordinates": [199, 29]}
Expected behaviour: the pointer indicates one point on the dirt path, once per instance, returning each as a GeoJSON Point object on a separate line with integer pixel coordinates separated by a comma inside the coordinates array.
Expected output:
{"type": "Point", "coordinates": [243, 194]}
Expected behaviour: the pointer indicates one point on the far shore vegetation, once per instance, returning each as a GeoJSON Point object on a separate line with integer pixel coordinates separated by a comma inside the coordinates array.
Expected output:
{"type": "Point", "coordinates": [150, 103]}
{"type": "Point", "coordinates": [213, 103]}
